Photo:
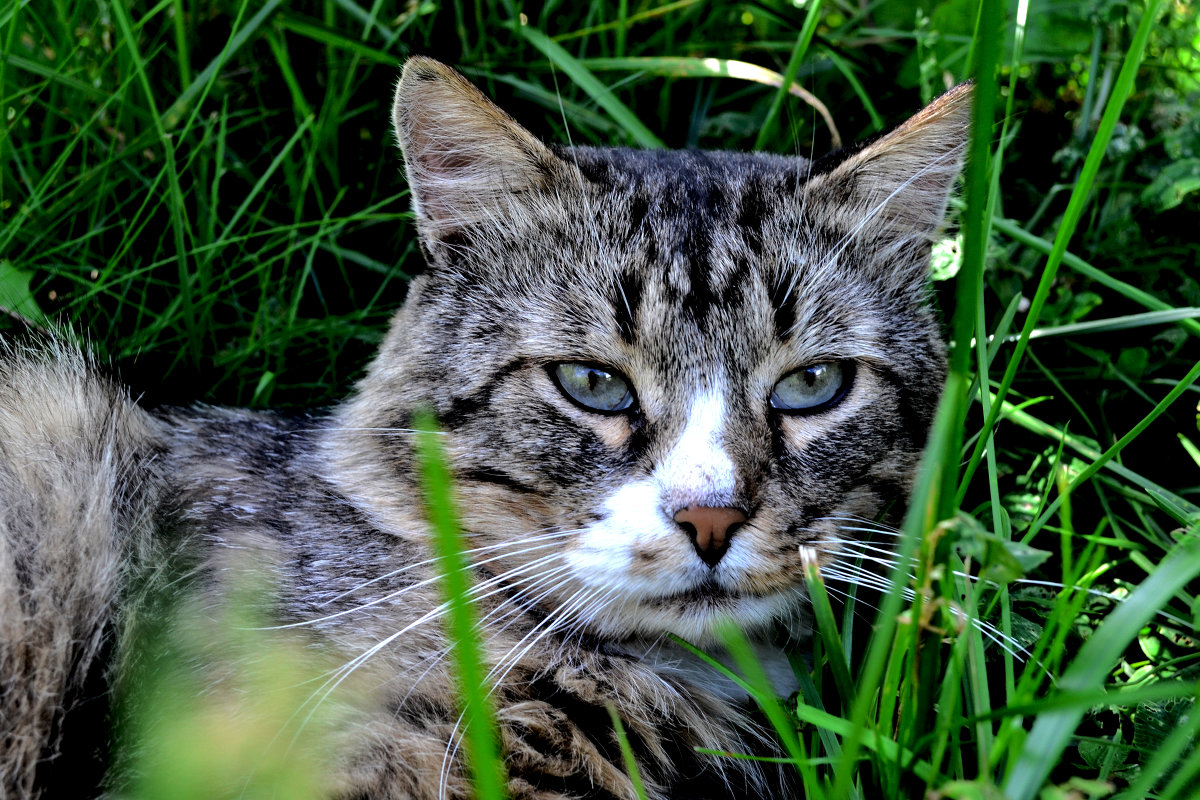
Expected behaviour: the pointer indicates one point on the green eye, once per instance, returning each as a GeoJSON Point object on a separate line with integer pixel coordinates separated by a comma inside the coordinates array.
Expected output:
{"type": "Point", "coordinates": [812, 388]}
{"type": "Point", "coordinates": [594, 387]}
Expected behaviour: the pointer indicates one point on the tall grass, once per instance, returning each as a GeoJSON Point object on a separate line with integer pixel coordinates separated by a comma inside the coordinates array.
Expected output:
{"type": "Point", "coordinates": [210, 192]}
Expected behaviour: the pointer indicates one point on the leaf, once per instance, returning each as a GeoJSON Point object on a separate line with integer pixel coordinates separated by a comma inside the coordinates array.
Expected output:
{"type": "Point", "coordinates": [15, 295]}
{"type": "Point", "coordinates": [946, 258]}
{"type": "Point", "coordinates": [1173, 184]}
{"type": "Point", "coordinates": [1133, 362]}
{"type": "Point", "coordinates": [1002, 561]}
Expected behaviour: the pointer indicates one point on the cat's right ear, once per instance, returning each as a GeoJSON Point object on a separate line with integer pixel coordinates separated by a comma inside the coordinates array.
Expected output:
{"type": "Point", "coordinates": [465, 158]}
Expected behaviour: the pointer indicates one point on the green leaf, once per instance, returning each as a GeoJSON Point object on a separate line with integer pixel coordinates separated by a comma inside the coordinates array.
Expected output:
{"type": "Point", "coordinates": [946, 258]}
{"type": "Point", "coordinates": [1173, 184]}
{"type": "Point", "coordinates": [1133, 362]}
{"type": "Point", "coordinates": [1002, 561]}
{"type": "Point", "coordinates": [15, 295]}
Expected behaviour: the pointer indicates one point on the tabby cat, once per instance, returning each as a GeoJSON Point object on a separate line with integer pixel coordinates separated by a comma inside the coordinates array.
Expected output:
{"type": "Point", "coordinates": [665, 381]}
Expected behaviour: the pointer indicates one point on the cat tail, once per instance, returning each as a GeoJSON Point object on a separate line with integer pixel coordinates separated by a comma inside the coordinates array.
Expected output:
{"type": "Point", "coordinates": [77, 492]}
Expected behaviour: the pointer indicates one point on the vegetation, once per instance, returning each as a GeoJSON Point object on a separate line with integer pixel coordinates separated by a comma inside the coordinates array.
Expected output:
{"type": "Point", "coordinates": [210, 191]}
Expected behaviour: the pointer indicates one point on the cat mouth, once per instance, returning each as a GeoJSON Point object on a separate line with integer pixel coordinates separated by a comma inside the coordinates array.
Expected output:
{"type": "Point", "coordinates": [708, 592]}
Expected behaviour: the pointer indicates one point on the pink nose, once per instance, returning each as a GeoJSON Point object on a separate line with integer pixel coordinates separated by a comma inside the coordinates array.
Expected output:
{"type": "Point", "coordinates": [710, 529]}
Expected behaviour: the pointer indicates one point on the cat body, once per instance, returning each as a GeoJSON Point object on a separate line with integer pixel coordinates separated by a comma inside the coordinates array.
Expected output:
{"type": "Point", "coordinates": [663, 381]}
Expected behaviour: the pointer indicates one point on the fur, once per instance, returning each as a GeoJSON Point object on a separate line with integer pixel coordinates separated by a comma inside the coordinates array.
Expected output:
{"type": "Point", "coordinates": [699, 278]}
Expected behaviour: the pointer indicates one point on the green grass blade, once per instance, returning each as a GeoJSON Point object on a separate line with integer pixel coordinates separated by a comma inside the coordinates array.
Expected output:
{"type": "Point", "coordinates": [1052, 730]}
{"type": "Point", "coordinates": [56, 75]}
{"type": "Point", "coordinates": [1029, 422]}
{"type": "Point", "coordinates": [1090, 698]}
{"type": "Point", "coordinates": [635, 775]}
{"type": "Point", "coordinates": [1108, 455]}
{"type": "Point", "coordinates": [480, 735]}
{"type": "Point", "coordinates": [203, 82]}
{"type": "Point", "coordinates": [1080, 198]}
{"type": "Point", "coordinates": [330, 37]}
{"type": "Point", "coordinates": [756, 685]}
{"type": "Point", "coordinates": [687, 67]}
{"type": "Point", "coordinates": [985, 46]}
{"type": "Point", "coordinates": [590, 84]}
{"type": "Point", "coordinates": [1121, 323]}
{"type": "Point", "coordinates": [180, 226]}
{"type": "Point", "coordinates": [627, 22]}
{"type": "Point", "coordinates": [809, 696]}
{"type": "Point", "coordinates": [760, 689]}
{"type": "Point", "coordinates": [1017, 233]}
{"type": "Point", "coordinates": [264, 178]}
{"type": "Point", "coordinates": [811, 17]}
{"type": "Point", "coordinates": [875, 742]}
{"type": "Point", "coordinates": [1183, 782]}
{"type": "Point", "coordinates": [827, 628]}
{"type": "Point", "coordinates": [920, 518]}
{"type": "Point", "coordinates": [847, 71]}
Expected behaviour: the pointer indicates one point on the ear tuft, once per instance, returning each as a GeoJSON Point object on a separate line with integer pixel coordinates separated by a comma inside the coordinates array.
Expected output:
{"type": "Point", "coordinates": [462, 153]}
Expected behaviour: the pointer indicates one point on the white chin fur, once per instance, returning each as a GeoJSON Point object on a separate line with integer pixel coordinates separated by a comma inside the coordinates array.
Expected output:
{"type": "Point", "coordinates": [695, 621]}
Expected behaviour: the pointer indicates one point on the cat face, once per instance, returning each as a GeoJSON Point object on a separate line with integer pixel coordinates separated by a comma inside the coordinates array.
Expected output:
{"type": "Point", "coordinates": [665, 378]}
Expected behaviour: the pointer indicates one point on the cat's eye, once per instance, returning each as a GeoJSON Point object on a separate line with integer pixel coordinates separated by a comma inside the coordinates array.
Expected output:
{"type": "Point", "coordinates": [812, 388]}
{"type": "Point", "coordinates": [594, 387]}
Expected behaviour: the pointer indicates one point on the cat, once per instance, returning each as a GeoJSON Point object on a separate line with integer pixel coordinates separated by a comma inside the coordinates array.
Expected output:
{"type": "Point", "coordinates": [662, 379]}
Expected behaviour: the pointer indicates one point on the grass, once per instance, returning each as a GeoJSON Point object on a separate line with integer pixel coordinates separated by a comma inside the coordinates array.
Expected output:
{"type": "Point", "coordinates": [211, 193]}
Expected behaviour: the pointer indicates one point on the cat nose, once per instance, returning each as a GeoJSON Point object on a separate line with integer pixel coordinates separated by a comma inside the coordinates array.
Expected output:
{"type": "Point", "coordinates": [710, 529]}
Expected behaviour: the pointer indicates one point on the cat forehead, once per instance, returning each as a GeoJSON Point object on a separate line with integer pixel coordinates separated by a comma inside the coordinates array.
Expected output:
{"type": "Point", "coordinates": [690, 259]}
{"type": "Point", "coordinates": [696, 232]}
{"type": "Point", "coordinates": [685, 256]}
{"type": "Point", "coordinates": [695, 176]}
{"type": "Point", "coordinates": [685, 206]}
{"type": "Point", "coordinates": [666, 285]}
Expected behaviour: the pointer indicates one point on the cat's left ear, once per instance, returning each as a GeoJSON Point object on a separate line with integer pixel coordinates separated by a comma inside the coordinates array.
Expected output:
{"type": "Point", "coordinates": [897, 186]}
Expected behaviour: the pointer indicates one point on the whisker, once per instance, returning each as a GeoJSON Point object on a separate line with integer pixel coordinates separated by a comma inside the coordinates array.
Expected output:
{"type": "Point", "coordinates": [467, 552]}
{"type": "Point", "coordinates": [508, 607]}
{"type": "Point", "coordinates": [403, 590]}
{"type": "Point", "coordinates": [878, 527]}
